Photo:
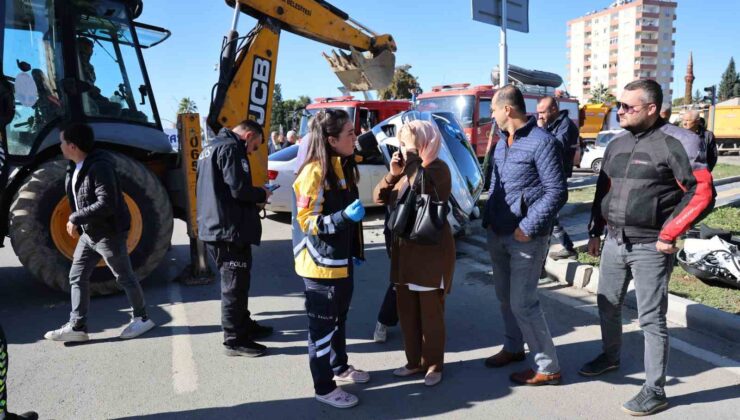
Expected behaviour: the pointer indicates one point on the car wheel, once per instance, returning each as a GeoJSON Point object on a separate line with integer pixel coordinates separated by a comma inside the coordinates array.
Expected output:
{"type": "Point", "coordinates": [596, 166]}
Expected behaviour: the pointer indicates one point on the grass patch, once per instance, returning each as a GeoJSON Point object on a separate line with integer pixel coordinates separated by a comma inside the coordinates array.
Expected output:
{"type": "Point", "coordinates": [727, 218]}
{"type": "Point", "coordinates": [586, 195]}
{"type": "Point", "coordinates": [687, 286]}
{"type": "Point", "coordinates": [724, 170]}
{"type": "Point", "coordinates": [582, 195]}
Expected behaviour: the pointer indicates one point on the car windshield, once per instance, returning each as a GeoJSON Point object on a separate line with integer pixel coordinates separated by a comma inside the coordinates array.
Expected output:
{"type": "Point", "coordinates": [461, 151]}
{"type": "Point", "coordinates": [308, 113]}
{"type": "Point", "coordinates": [284, 155]}
{"type": "Point", "coordinates": [603, 139]}
{"type": "Point", "coordinates": [460, 105]}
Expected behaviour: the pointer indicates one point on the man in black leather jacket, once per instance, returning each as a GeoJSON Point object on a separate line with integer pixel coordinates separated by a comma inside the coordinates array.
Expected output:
{"type": "Point", "coordinates": [229, 223]}
{"type": "Point", "coordinates": [101, 220]}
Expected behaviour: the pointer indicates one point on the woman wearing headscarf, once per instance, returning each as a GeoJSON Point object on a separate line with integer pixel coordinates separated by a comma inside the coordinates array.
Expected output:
{"type": "Point", "coordinates": [422, 273]}
{"type": "Point", "coordinates": [327, 239]}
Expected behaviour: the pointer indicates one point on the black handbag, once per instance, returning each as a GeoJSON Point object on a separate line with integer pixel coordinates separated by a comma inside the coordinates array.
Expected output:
{"type": "Point", "coordinates": [402, 217]}
{"type": "Point", "coordinates": [419, 218]}
{"type": "Point", "coordinates": [431, 215]}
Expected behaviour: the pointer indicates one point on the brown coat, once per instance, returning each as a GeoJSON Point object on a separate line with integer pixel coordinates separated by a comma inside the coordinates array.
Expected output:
{"type": "Point", "coordinates": [425, 265]}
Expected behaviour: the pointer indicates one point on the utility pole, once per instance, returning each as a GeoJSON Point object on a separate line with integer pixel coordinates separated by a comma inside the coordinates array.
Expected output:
{"type": "Point", "coordinates": [503, 53]}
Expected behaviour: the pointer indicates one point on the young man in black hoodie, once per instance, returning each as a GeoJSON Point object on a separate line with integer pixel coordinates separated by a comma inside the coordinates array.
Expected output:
{"type": "Point", "coordinates": [101, 221]}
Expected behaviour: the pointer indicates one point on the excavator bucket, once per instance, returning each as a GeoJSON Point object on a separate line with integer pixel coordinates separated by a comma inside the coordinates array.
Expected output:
{"type": "Point", "coordinates": [363, 72]}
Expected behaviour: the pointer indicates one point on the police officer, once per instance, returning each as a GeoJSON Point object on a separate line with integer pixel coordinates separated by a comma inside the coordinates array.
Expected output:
{"type": "Point", "coordinates": [229, 223]}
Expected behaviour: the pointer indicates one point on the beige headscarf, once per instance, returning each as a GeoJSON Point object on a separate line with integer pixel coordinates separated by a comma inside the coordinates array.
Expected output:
{"type": "Point", "coordinates": [425, 136]}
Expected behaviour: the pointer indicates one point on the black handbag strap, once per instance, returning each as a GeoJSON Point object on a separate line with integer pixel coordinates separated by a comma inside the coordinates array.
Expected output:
{"type": "Point", "coordinates": [420, 179]}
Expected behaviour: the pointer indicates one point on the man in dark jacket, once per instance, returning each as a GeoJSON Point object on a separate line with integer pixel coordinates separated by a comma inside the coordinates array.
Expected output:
{"type": "Point", "coordinates": [646, 195]}
{"type": "Point", "coordinates": [101, 220]}
{"type": "Point", "coordinates": [228, 208]}
{"type": "Point", "coordinates": [691, 120]}
{"type": "Point", "coordinates": [527, 190]}
{"type": "Point", "coordinates": [566, 133]}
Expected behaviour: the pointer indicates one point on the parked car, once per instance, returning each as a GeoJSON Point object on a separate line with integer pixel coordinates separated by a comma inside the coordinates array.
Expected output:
{"type": "Point", "coordinates": [456, 151]}
{"type": "Point", "coordinates": [594, 154]}
{"type": "Point", "coordinates": [281, 167]}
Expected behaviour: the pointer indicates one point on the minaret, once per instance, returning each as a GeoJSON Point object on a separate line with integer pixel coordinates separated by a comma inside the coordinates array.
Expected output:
{"type": "Point", "coordinates": [689, 78]}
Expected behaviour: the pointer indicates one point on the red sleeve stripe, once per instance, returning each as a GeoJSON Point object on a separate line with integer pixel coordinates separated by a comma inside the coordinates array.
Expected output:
{"type": "Point", "coordinates": [702, 198]}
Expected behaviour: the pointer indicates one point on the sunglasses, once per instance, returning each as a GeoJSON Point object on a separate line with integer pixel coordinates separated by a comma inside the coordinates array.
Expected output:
{"type": "Point", "coordinates": [630, 109]}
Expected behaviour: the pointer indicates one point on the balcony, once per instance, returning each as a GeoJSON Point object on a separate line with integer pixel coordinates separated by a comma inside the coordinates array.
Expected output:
{"type": "Point", "coordinates": [613, 47]}
{"type": "Point", "coordinates": [647, 41]}
{"type": "Point", "coordinates": [646, 66]}
{"type": "Point", "coordinates": [648, 15]}
{"type": "Point", "coordinates": [646, 28]}
{"type": "Point", "coordinates": [646, 53]}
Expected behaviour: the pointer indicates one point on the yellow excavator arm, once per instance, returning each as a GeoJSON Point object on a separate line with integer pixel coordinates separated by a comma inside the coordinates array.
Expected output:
{"type": "Point", "coordinates": [320, 21]}
{"type": "Point", "coordinates": [247, 67]}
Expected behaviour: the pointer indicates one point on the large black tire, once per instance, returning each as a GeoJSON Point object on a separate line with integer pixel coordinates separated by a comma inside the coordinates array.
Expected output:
{"type": "Point", "coordinates": [35, 201]}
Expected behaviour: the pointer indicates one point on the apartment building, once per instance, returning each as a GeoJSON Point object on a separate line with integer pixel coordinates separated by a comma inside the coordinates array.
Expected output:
{"type": "Point", "coordinates": [628, 40]}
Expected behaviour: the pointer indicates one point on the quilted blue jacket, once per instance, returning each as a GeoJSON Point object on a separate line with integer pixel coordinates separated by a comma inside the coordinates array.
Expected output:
{"type": "Point", "coordinates": [528, 185]}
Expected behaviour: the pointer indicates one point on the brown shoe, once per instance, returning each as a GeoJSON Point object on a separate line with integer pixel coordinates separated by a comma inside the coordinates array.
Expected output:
{"type": "Point", "coordinates": [530, 377]}
{"type": "Point", "coordinates": [503, 358]}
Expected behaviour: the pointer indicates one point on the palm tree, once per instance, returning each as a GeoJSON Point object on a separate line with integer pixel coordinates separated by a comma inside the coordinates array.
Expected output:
{"type": "Point", "coordinates": [187, 106]}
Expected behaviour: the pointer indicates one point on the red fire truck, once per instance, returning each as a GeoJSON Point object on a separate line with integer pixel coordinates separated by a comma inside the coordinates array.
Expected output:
{"type": "Point", "coordinates": [364, 113]}
{"type": "Point", "coordinates": [472, 106]}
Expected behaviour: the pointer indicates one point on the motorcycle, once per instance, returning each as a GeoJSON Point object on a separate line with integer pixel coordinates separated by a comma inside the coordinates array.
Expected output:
{"type": "Point", "coordinates": [712, 256]}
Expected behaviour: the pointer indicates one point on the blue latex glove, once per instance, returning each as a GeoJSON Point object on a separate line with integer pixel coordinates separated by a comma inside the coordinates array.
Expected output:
{"type": "Point", "coordinates": [358, 262]}
{"type": "Point", "coordinates": [354, 212]}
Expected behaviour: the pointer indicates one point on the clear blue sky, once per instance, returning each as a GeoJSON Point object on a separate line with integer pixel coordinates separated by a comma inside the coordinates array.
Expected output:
{"type": "Point", "coordinates": [438, 38]}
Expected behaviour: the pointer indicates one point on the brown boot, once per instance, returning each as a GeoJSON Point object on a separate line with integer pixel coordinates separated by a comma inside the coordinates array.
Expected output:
{"type": "Point", "coordinates": [530, 377]}
{"type": "Point", "coordinates": [503, 358]}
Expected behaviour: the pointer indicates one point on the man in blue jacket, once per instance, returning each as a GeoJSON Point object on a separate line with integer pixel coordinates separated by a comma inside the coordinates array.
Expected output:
{"type": "Point", "coordinates": [527, 190]}
{"type": "Point", "coordinates": [565, 131]}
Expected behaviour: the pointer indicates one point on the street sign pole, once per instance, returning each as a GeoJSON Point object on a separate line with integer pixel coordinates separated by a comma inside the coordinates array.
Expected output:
{"type": "Point", "coordinates": [507, 15]}
{"type": "Point", "coordinates": [503, 53]}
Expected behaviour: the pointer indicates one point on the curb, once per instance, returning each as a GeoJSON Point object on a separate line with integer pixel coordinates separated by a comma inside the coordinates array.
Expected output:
{"type": "Point", "coordinates": [686, 313]}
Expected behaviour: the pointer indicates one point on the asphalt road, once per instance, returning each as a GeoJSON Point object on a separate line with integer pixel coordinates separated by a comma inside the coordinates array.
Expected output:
{"type": "Point", "coordinates": [177, 371]}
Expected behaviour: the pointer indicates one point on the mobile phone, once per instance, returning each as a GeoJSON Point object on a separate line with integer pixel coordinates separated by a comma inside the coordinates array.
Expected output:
{"type": "Point", "coordinates": [272, 187]}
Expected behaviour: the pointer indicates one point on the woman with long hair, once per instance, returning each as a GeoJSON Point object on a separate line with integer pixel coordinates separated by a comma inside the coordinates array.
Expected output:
{"type": "Point", "coordinates": [422, 273]}
{"type": "Point", "coordinates": [327, 241]}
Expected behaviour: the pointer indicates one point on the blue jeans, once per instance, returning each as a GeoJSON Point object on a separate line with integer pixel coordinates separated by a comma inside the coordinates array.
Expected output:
{"type": "Point", "coordinates": [327, 304]}
{"type": "Point", "coordinates": [516, 273]}
{"type": "Point", "coordinates": [86, 257]}
{"type": "Point", "coordinates": [651, 271]}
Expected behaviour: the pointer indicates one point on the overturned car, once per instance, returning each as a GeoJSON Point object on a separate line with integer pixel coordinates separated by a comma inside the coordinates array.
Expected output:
{"type": "Point", "coordinates": [379, 144]}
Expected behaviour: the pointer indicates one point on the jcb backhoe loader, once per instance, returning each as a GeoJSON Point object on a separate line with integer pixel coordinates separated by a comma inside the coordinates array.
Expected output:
{"type": "Point", "coordinates": [81, 60]}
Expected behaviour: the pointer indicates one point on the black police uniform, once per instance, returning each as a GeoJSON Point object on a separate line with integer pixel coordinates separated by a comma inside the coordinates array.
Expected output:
{"type": "Point", "coordinates": [229, 224]}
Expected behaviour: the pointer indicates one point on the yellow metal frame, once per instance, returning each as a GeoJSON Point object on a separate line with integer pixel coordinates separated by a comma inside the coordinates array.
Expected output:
{"type": "Point", "coordinates": [190, 134]}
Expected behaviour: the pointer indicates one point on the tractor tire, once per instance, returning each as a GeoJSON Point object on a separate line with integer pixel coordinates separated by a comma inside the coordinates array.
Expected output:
{"type": "Point", "coordinates": [39, 213]}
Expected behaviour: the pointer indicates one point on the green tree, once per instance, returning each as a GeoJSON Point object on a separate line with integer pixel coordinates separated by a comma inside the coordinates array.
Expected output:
{"type": "Point", "coordinates": [292, 119]}
{"type": "Point", "coordinates": [186, 106]}
{"type": "Point", "coordinates": [600, 94]}
{"type": "Point", "coordinates": [401, 86]}
{"type": "Point", "coordinates": [677, 102]}
{"type": "Point", "coordinates": [697, 97]}
{"type": "Point", "coordinates": [728, 86]}
{"type": "Point", "coordinates": [278, 111]}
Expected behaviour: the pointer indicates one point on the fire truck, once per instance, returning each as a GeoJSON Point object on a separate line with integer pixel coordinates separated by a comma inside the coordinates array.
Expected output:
{"type": "Point", "coordinates": [472, 106]}
{"type": "Point", "coordinates": [365, 113]}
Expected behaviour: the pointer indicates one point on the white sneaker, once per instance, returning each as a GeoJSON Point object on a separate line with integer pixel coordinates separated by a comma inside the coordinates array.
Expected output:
{"type": "Point", "coordinates": [353, 375]}
{"type": "Point", "coordinates": [339, 398]}
{"type": "Point", "coordinates": [136, 328]}
{"type": "Point", "coordinates": [381, 333]}
{"type": "Point", "coordinates": [67, 333]}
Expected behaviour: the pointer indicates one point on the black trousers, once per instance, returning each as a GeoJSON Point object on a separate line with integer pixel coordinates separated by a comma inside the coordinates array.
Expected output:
{"type": "Point", "coordinates": [327, 304]}
{"type": "Point", "coordinates": [234, 262]}
{"type": "Point", "coordinates": [3, 373]}
{"type": "Point", "coordinates": [388, 314]}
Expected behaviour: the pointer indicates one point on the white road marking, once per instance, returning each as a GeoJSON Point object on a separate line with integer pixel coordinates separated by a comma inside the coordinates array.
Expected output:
{"type": "Point", "coordinates": [184, 372]}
